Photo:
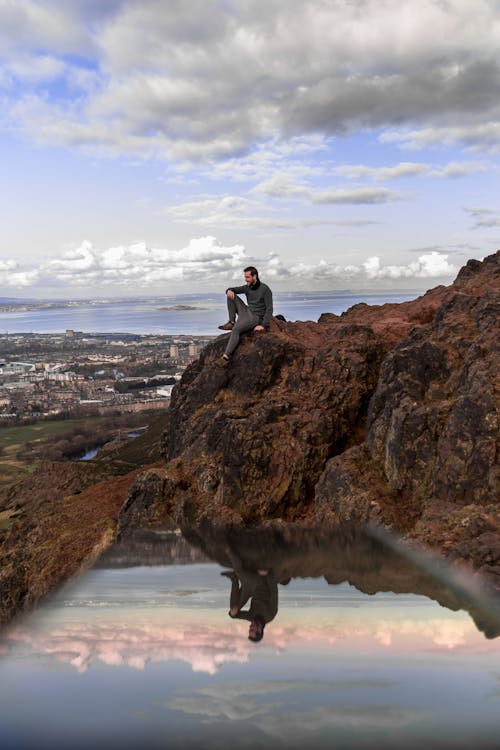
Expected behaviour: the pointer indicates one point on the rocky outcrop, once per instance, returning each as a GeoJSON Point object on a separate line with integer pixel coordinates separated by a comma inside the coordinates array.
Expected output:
{"type": "Point", "coordinates": [386, 413]}
{"type": "Point", "coordinates": [430, 458]}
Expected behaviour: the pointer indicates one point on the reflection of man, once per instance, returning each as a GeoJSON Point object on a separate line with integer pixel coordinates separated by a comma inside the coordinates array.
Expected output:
{"type": "Point", "coordinates": [255, 316]}
{"type": "Point", "coordinates": [263, 591]}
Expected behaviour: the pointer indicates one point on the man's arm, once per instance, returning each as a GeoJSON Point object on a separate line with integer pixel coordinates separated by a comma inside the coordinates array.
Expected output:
{"type": "Point", "coordinates": [237, 289]}
{"type": "Point", "coordinates": [268, 301]}
{"type": "Point", "coordinates": [242, 615]}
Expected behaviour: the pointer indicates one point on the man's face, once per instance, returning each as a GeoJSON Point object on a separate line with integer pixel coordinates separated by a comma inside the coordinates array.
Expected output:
{"type": "Point", "coordinates": [249, 278]}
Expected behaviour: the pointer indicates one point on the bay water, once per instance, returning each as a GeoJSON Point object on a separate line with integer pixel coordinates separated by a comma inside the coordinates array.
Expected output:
{"type": "Point", "coordinates": [205, 312]}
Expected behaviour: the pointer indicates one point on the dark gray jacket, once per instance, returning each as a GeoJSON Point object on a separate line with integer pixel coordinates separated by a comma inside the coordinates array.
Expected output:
{"type": "Point", "coordinates": [259, 300]}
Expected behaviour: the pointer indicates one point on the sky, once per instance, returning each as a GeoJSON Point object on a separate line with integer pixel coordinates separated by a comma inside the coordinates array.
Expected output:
{"type": "Point", "coordinates": [152, 146]}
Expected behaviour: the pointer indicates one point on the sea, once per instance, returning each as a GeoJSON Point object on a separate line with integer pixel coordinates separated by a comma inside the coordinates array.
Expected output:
{"type": "Point", "coordinates": [191, 314]}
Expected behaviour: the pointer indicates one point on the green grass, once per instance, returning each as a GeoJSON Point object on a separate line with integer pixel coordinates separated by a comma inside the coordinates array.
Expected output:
{"type": "Point", "coordinates": [16, 436]}
{"type": "Point", "coordinates": [140, 450]}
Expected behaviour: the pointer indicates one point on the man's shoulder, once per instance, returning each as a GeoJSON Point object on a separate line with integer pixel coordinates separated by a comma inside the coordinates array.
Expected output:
{"type": "Point", "coordinates": [265, 287]}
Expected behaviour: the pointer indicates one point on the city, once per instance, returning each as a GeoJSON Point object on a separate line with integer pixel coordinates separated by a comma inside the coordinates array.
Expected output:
{"type": "Point", "coordinates": [77, 374]}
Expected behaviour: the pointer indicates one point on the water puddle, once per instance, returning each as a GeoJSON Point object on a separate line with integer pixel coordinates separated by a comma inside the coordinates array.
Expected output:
{"type": "Point", "coordinates": [364, 645]}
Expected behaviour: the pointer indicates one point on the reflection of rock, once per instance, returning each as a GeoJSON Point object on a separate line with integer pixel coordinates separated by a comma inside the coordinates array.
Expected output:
{"type": "Point", "coordinates": [367, 558]}
{"type": "Point", "coordinates": [385, 413]}
{"type": "Point", "coordinates": [144, 547]}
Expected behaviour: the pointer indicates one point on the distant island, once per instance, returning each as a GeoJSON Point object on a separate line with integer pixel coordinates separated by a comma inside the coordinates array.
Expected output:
{"type": "Point", "coordinates": [24, 307]}
{"type": "Point", "coordinates": [7, 306]}
{"type": "Point", "coordinates": [182, 307]}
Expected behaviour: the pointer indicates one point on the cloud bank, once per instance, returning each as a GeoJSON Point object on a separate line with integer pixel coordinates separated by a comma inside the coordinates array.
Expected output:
{"type": "Point", "coordinates": [209, 80]}
{"type": "Point", "coordinates": [203, 258]}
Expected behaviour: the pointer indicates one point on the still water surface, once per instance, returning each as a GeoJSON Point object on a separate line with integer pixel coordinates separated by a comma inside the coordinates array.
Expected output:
{"type": "Point", "coordinates": [146, 656]}
{"type": "Point", "coordinates": [146, 316]}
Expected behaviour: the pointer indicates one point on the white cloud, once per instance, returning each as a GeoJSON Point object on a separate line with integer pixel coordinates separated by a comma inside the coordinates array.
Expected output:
{"type": "Point", "coordinates": [14, 276]}
{"type": "Point", "coordinates": [280, 186]}
{"type": "Point", "coordinates": [36, 68]}
{"type": "Point", "coordinates": [479, 136]}
{"type": "Point", "coordinates": [226, 209]}
{"type": "Point", "coordinates": [242, 213]}
{"type": "Point", "coordinates": [484, 218]}
{"type": "Point", "coordinates": [202, 258]}
{"type": "Point", "coordinates": [459, 169]}
{"type": "Point", "coordinates": [210, 80]}
{"type": "Point", "coordinates": [143, 265]}
{"type": "Point", "coordinates": [82, 258]}
{"type": "Point", "coordinates": [19, 279]}
{"type": "Point", "coordinates": [355, 196]}
{"type": "Point", "coordinates": [493, 221]}
{"type": "Point", "coordinates": [404, 169]}
{"type": "Point", "coordinates": [28, 25]}
{"type": "Point", "coordinates": [411, 169]}
{"type": "Point", "coordinates": [428, 266]}
{"type": "Point", "coordinates": [7, 265]}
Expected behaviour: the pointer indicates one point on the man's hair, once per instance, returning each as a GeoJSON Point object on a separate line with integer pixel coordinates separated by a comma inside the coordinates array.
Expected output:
{"type": "Point", "coordinates": [252, 270]}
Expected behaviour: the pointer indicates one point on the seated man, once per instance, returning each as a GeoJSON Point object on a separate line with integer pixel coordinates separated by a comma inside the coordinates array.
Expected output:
{"type": "Point", "coordinates": [256, 316]}
{"type": "Point", "coordinates": [262, 590]}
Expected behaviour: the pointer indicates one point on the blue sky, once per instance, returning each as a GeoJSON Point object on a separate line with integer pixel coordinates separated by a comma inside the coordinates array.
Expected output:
{"type": "Point", "coordinates": [163, 146]}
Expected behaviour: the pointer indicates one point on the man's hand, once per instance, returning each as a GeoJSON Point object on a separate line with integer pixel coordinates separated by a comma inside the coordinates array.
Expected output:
{"type": "Point", "coordinates": [259, 328]}
{"type": "Point", "coordinates": [230, 294]}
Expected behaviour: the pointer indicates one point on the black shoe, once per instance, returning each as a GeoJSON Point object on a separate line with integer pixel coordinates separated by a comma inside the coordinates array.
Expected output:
{"type": "Point", "coordinates": [227, 326]}
{"type": "Point", "coordinates": [230, 574]}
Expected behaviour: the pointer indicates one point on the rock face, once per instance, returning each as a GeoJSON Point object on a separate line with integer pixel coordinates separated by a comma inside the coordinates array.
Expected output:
{"type": "Point", "coordinates": [385, 413]}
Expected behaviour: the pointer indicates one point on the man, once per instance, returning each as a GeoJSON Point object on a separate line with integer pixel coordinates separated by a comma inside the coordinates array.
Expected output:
{"type": "Point", "coordinates": [262, 590]}
{"type": "Point", "coordinates": [256, 316]}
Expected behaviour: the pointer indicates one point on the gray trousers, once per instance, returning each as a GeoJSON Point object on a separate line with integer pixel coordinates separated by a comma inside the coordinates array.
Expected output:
{"type": "Point", "coordinates": [246, 321]}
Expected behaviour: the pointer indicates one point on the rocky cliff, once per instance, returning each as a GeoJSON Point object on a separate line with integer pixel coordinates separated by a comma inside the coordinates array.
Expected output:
{"type": "Point", "coordinates": [385, 413]}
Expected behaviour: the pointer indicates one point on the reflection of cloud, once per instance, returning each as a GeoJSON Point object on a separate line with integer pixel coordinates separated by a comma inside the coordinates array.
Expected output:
{"type": "Point", "coordinates": [136, 644]}
{"type": "Point", "coordinates": [275, 704]}
{"type": "Point", "coordinates": [494, 693]}
{"type": "Point", "coordinates": [307, 724]}
{"type": "Point", "coordinates": [207, 643]}
{"type": "Point", "coordinates": [230, 706]}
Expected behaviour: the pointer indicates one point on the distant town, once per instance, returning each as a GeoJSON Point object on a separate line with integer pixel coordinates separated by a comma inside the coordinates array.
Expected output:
{"type": "Point", "coordinates": [44, 376]}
